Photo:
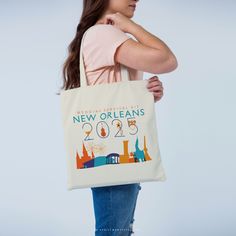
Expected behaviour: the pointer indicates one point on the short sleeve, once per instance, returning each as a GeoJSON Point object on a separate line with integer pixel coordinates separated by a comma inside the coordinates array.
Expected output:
{"type": "Point", "coordinates": [100, 45]}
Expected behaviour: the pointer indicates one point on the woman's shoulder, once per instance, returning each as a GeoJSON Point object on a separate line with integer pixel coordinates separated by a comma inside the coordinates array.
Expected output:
{"type": "Point", "coordinates": [103, 27]}
{"type": "Point", "coordinates": [100, 44]}
{"type": "Point", "coordinates": [103, 31]}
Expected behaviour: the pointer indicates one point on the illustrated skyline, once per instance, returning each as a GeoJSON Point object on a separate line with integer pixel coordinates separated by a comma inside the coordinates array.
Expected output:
{"type": "Point", "coordinates": [90, 161]}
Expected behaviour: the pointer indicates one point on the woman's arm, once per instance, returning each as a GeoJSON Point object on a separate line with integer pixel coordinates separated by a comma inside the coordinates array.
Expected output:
{"type": "Point", "coordinates": [149, 54]}
{"type": "Point", "coordinates": [165, 58]}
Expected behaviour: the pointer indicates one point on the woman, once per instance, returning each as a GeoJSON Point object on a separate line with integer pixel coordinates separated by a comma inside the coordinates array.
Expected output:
{"type": "Point", "coordinates": [105, 47]}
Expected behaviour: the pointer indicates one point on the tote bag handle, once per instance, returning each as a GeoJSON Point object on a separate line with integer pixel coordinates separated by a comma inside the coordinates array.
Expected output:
{"type": "Point", "coordinates": [83, 79]}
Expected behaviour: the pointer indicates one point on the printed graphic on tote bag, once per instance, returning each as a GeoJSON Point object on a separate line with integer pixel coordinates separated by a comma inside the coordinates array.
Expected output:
{"type": "Point", "coordinates": [100, 125]}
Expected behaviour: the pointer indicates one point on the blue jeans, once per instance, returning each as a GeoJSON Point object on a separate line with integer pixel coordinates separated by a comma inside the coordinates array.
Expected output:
{"type": "Point", "coordinates": [114, 208]}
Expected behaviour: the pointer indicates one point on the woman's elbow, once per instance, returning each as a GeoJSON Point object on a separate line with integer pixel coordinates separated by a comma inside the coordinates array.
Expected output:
{"type": "Point", "coordinates": [168, 64]}
{"type": "Point", "coordinates": [173, 62]}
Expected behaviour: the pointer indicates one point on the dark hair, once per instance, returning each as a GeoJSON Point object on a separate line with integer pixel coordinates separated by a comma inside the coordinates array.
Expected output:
{"type": "Point", "coordinates": [92, 11]}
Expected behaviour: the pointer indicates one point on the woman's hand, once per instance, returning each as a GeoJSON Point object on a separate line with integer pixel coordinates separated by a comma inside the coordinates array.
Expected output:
{"type": "Point", "coordinates": [154, 85]}
{"type": "Point", "coordinates": [120, 21]}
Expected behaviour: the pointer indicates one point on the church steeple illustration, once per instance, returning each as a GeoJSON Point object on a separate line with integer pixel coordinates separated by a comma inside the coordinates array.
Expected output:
{"type": "Point", "coordinates": [81, 160]}
{"type": "Point", "coordinates": [147, 156]}
{"type": "Point", "coordinates": [139, 154]}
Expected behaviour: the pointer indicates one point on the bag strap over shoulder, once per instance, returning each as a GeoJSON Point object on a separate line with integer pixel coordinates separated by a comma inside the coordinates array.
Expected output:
{"type": "Point", "coordinates": [83, 79]}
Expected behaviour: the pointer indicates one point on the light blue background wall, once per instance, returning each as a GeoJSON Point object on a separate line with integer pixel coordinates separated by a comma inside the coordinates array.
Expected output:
{"type": "Point", "coordinates": [196, 122]}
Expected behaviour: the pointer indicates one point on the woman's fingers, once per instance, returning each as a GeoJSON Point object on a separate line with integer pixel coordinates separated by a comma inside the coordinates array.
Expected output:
{"type": "Point", "coordinates": [157, 96]}
{"type": "Point", "coordinates": [156, 88]}
{"type": "Point", "coordinates": [154, 81]}
{"type": "Point", "coordinates": [154, 85]}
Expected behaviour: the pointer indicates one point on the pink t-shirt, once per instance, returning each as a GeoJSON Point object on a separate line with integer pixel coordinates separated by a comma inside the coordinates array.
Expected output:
{"type": "Point", "coordinates": [99, 47]}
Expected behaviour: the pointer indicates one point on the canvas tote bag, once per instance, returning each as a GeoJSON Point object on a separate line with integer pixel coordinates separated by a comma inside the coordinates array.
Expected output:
{"type": "Point", "coordinates": [110, 133]}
